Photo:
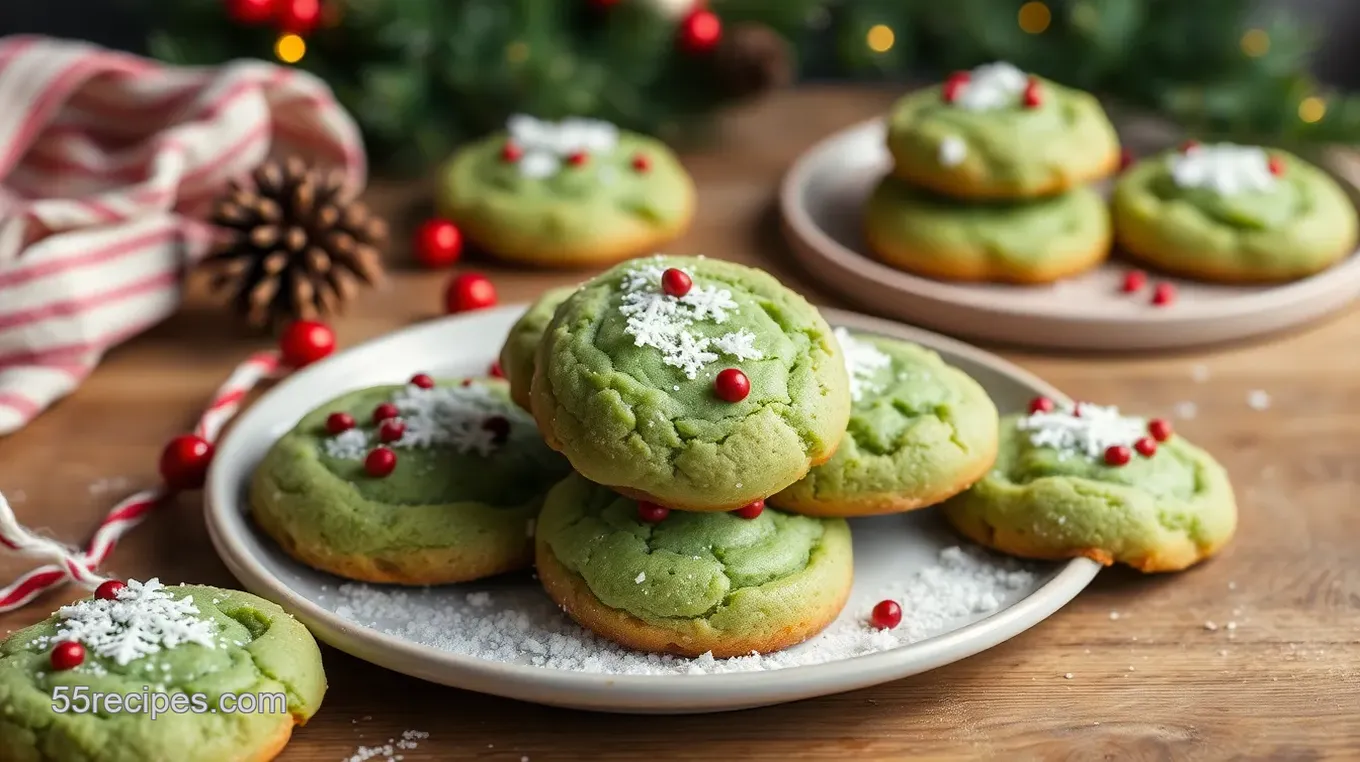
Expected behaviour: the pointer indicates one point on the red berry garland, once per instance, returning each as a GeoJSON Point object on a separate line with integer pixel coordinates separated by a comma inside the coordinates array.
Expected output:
{"type": "Point", "coordinates": [108, 590]}
{"type": "Point", "coordinates": [469, 291]}
{"type": "Point", "coordinates": [339, 423]}
{"type": "Point", "coordinates": [954, 85]}
{"type": "Point", "coordinates": [511, 152]}
{"type": "Point", "coordinates": [380, 462]}
{"type": "Point", "coordinates": [676, 282]}
{"type": "Point", "coordinates": [306, 341]}
{"type": "Point", "coordinates": [652, 513]}
{"type": "Point", "coordinates": [886, 615]}
{"type": "Point", "coordinates": [1146, 446]}
{"type": "Point", "coordinates": [1041, 405]}
{"type": "Point", "coordinates": [1160, 429]}
{"type": "Point", "coordinates": [298, 16]}
{"type": "Point", "coordinates": [1164, 294]}
{"type": "Point", "coordinates": [184, 462]}
{"type": "Point", "coordinates": [438, 243]}
{"type": "Point", "coordinates": [751, 510]}
{"type": "Point", "coordinates": [1034, 97]}
{"type": "Point", "coordinates": [67, 654]}
{"type": "Point", "coordinates": [391, 430]}
{"type": "Point", "coordinates": [250, 12]}
{"type": "Point", "coordinates": [384, 411]}
{"type": "Point", "coordinates": [1134, 280]}
{"type": "Point", "coordinates": [732, 385]}
{"type": "Point", "coordinates": [700, 32]}
{"type": "Point", "coordinates": [423, 380]}
{"type": "Point", "coordinates": [1117, 455]}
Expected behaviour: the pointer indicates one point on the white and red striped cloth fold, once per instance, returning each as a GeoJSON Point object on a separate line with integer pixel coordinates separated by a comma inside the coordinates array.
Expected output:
{"type": "Point", "coordinates": [107, 162]}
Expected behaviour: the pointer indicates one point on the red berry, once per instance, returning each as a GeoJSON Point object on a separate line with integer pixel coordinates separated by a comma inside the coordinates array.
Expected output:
{"type": "Point", "coordinates": [250, 11]}
{"type": "Point", "coordinates": [1276, 165]}
{"type": "Point", "coordinates": [465, 383]}
{"type": "Point", "coordinates": [1189, 146]}
{"type": "Point", "coordinates": [438, 243]}
{"type": "Point", "coordinates": [380, 462]}
{"type": "Point", "coordinates": [499, 426]}
{"type": "Point", "coordinates": [1125, 159]}
{"type": "Point", "coordinates": [751, 510]}
{"type": "Point", "coordinates": [511, 152]}
{"type": "Point", "coordinates": [1146, 446]}
{"type": "Point", "coordinates": [578, 158]}
{"type": "Point", "coordinates": [1041, 405]}
{"type": "Point", "coordinates": [384, 411]}
{"type": "Point", "coordinates": [652, 513]}
{"type": "Point", "coordinates": [67, 654]}
{"type": "Point", "coordinates": [1117, 455]}
{"type": "Point", "coordinates": [496, 371]}
{"type": "Point", "coordinates": [676, 282]}
{"type": "Point", "coordinates": [298, 16]}
{"type": "Point", "coordinates": [1134, 280]}
{"type": "Point", "coordinates": [184, 462]}
{"type": "Point", "coordinates": [1076, 410]}
{"type": "Point", "coordinates": [732, 385]}
{"type": "Point", "coordinates": [339, 423]}
{"type": "Point", "coordinates": [306, 341]}
{"type": "Point", "coordinates": [469, 291]}
{"type": "Point", "coordinates": [641, 163]}
{"type": "Point", "coordinates": [391, 430]}
{"type": "Point", "coordinates": [886, 615]}
{"type": "Point", "coordinates": [1034, 97]}
{"type": "Point", "coordinates": [423, 380]}
{"type": "Point", "coordinates": [954, 85]}
{"type": "Point", "coordinates": [1163, 294]}
{"type": "Point", "coordinates": [1160, 429]}
{"type": "Point", "coordinates": [108, 589]}
{"type": "Point", "coordinates": [700, 31]}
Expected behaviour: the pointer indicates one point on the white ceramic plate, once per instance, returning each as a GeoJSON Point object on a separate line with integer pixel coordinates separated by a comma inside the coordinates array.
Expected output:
{"type": "Point", "coordinates": [888, 551]}
{"type": "Point", "coordinates": [821, 200]}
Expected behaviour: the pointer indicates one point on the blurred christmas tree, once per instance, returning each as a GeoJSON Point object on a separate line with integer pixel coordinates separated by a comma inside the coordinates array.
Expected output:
{"type": "Point", "coordinates": [422, 74]}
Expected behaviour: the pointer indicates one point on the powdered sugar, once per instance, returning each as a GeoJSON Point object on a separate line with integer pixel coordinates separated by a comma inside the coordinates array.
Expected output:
{"type": "Point", "coordinates": [1225, 168]}
{"type": "Point", "coordinates": [523, 626]}
{"type": "Point", "coordinates": [992, 86]}
{"type": "Point", "coordinates": [862, 362]}
{"type": "Point", "coordinates": [1083, 429]}
{"type": "Point", "coordinates": [142, 620]}
{"type": "Point", "coordinates": [441, 416]}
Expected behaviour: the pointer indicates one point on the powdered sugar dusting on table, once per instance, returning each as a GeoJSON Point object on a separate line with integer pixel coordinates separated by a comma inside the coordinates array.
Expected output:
{"type": "Point", "coordinates": [523, 626]}
{"type": "Point", "coordinates": [143, 619]}
{"type": "Point", "coordinates": [1083, 429]}
{"type": "Point", "coordinates": [862, 361]}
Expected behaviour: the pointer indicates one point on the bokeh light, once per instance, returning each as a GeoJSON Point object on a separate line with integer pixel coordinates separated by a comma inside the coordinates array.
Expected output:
{"type": "Point", "coordinates": [1255, 43]}
{"type": "Point", "coordinates": [290, 48]}
{"type": "Point", "coordinates": [1035, 17]}
{"type": "Point", "coordinates": [880, 38]}
{"type": "Point", "coordinates": [1312, 109]}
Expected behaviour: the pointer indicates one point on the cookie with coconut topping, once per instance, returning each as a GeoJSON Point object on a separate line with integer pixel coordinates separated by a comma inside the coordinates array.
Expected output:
{"type": "Point", "coordinates": [420, 484]}
{"type": "Point", "coordinates": [1233, 213]}
{"type": "Point", "coordinates": [1086, 480]}
{"type": "Point", "coordinates": [575, 193]}
{"type": "Point", "coordinates": [690, 583]}
{"type": "Point", "coordinates": [920, 431]}
{"type": "Point", "coordinates": [998, 133]}
{"type": "Point", "coordinates": [1036, 241]}
{"type": "Point", "coordinates": [517, 354]}
{"type": "Point", "coordinates": [140, 644]}
{"type": "Point", "coordinates": [694, 383]}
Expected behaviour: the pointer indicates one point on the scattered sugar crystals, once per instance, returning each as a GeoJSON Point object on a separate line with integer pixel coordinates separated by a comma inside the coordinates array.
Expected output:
{"type": "Point", "coordinates": [661, 321]}
{"type": "Point", "coordinates": [862, 361]}
{"type": "Point", "coordinates": [1082, 428]}
{"type": "Point", "coordinates": [1223, 167]}
{"type": "Point", "coordinates": [390, 751]}
{"type": "Point", "coordinates": [525, 627]}
{"type": "Point", "coordinates": [441, 416]}
{"type": "Point", "coordinates": [143, 619]}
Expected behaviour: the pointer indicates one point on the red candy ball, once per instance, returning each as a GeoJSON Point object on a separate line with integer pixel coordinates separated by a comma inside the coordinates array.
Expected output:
{"type": "Point", "coordinates": [700, 31]}
{"type": "Point", "coordinates": [306, 341]}
{"type": "Point", "coordinates": [1134, 280]}
{"type": "Point", "coordinates": [391, 430]}
{"type": "Point", "coordinates": [499, 426]}
{"type": "Point", "coordinates": [886, 615]}
{"type": "Point", "coordinates": [1041, 405]}
{"type": "Point", "coordinates": [67, 654]}
{"type": "Point", "coordinates": [250, 11]}
{"type": "Point", "coordinates": [1160, 429]}
{"type": "Point", "coordinates": [651, 512]}
{"type": "Point", "coordinates": [751, 510]}
{"type": "Point", "coordinates": [380, 462]}
{"type": "Point", "coordinates": [385, 411]}
{"type": "Point", "coordinates": [184, 462]}
{"type": "Point", "coordinates": [423, 380]}
{"type": "Point", "coordinates": [108, 589]}
{"type": "Point", "coordinates": [1164, 294]}
{"type": "Point", "coordinates": [339, 423]}
{"type": "Point", "coordinates": [732, 385]}
{"type": "Point", "coordinates": [298, 16]}
{"type": "Point", "coordinates": [641, 163]}
{"type": "Point", "coordinates": [676, 282]}
{"type": "Point", "coordinates": [1034, 96]}
{"type": "Point", "coordinates": [511, 152]}
{"type": "Point", "coordinates": [1117, 455]}
{"type": "Point", "coordinates": [469, 291]}
{"type": "Point", "coordinates": [578, 158]}
{"type": "Point", "coordinates": [496, 371]}
{"type": "Point", "coordinates": [1146, 446]}
{"type": "Point", "coordinates": [438, 243]}
{"type": "Point", "coordinates": [1276, 165]}
{"type": "Point", "coordinates": [954, 85]}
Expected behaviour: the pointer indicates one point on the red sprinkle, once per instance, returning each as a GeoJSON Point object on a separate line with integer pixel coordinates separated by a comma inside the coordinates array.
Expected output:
{"type": "Point", "coordinates": [954, 85]}
{"type": "Point", "coordinates": [732, 385]}
{"type": "Point", "coordinates": [67, 654]}
{"type": "Point", "coordinates": [1041, 405]}
{"type": "Point", "coordinates": [641, 163]}
{"type": "Point", "coordinates": [511, 152]}
{"type": "Point", "coordinates": [108, 589]}
{"type": "Point", "coordinates": [380, 462]}
{"type": "Point", "coordinates": [339, 423]}
{"type": "Point", "coordinates": [384, 411]}
{"type": "Point", "coordinates": [1117, 455]}
{"type": "Point", "coordinates": [652, 513]}
{"type": "Point", "coordinates": [676, 282]}
{"type": "Point", "coordinates": [751, 510]}
{"type": "Point", "coordinates": [1034, 96]}
{"type": "Point", "coordinates": [1146, 446]}
{"type": "Point", "coordinates": [1134, 280]}
{"type": "Point", "coordinates": [423, 380]}
{"type": "Point", "coordinates": [886, 615]}
{"type": "Point", "coordinates": [1276, 165]}
{"type": "Point", "coordinates": [391, 430]}
{"type": "Point", "coordinates": [578, 159]}
{"type": "Point", "coordinates": [499, 426]}
{"type": "Point", "coordinates": [1160, 429]}
{"type": "Point", "coordinates": [1163, 294]}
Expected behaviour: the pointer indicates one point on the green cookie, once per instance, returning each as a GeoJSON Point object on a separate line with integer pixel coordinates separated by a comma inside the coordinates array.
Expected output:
{"type": "Point", "coordinates": [517, 354]}
{"type": "Point", "coordinates": [920, 431]}
{"type": "Point", "coordinates": [577, 193]}
{"type": "Point", "coordinates": [1052, 494]}
{"type": "Point", "coordinates": [1016, 242]}
{"type": "Point", "coordinates": [626, 384]}
{"type": "Point", "coordinates": [227, 674]}
{"type": "Point", "coordinates": [1218, 213]}
{"type": "Point", "coordinates": [987, 141]}
{"type": "Point", "coordinates": [471, 471]}
{"type": "Point", "coordinates": [691, 583]}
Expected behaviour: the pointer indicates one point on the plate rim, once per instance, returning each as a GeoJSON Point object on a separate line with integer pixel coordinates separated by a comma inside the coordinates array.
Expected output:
{"type": "Point", "coordinates": [603, 691]}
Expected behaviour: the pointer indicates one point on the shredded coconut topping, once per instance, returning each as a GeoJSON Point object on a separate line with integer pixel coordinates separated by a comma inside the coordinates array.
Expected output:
{"type": "Point", "coordinates": [992, 86]}
{"type": "Point", "coordinates": [546, 143]}
{"type": "Point", "coordinates": [661, 321]}
{"type": "Point", "coordinates": [142, 620]}
{"type": "Point", "coordinates": [442, 416]}
{"type": "Point", "coordinates": [1225, 168]}
{"type": "Point", "coordinates": [862, 361]}
{"type": "Point", "coordinates": [1083, 429]}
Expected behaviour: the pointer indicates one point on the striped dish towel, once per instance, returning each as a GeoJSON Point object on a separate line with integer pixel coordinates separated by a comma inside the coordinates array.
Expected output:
{"type": "Point", "coordinates": [107, 161]}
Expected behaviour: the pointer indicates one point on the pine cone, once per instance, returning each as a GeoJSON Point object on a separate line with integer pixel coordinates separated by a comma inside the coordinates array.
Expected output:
{"type": "Point", "coordinates": [297, 247]}
{"type": "Point", "coordinates": [751, 59]}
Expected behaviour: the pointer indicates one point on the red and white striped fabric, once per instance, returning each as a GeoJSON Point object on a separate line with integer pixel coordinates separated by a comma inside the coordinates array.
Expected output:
{"type": "Point", "coordinates": [106, 162]}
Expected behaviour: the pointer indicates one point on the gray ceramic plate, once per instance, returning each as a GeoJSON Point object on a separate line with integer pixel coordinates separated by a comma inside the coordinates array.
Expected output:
{"type": "Point", "coordinates": [821, 199]}
{"type": "Point", "coordinates": [412, 634]}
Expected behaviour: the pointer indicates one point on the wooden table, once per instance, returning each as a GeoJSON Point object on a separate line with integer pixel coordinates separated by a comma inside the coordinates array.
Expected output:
{"type": "Point", "coordinates": [1130, 670]}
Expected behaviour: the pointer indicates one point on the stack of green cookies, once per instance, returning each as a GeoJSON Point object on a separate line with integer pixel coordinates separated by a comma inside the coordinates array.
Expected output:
{"type": "Point", "coordinates": [991, 180]}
